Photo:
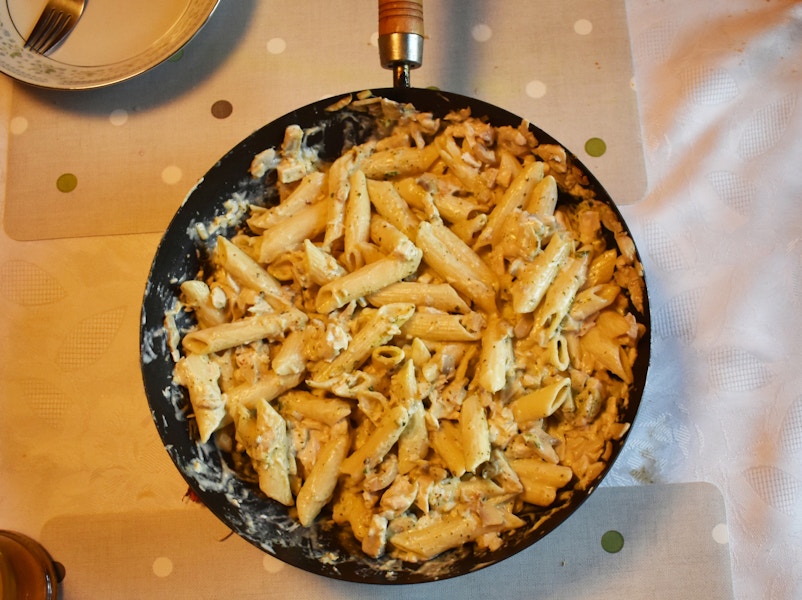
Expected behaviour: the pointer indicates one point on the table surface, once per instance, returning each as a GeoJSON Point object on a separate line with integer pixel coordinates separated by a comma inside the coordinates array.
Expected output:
{"type": "Point", "coordinates": [710, 187]}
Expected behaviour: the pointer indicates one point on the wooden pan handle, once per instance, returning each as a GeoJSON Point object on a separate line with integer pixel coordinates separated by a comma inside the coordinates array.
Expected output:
{"type": "Point", "coordinates": [401, 37]}
{"type": "Point", "coordinates": [400, 16]}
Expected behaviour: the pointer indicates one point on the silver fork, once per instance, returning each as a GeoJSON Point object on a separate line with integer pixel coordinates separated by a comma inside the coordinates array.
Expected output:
{"type": "Point", "coordinates": [55, 23]}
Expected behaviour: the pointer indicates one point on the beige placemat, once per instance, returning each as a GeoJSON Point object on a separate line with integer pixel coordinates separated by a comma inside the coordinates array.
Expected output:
{"type": "Point", "coordinates": [121, 159]}
{"type": "Point", "coordinates": [658, 542]}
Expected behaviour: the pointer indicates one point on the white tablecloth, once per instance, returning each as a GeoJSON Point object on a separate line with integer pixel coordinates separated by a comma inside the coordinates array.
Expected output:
{"type": "Point", "coordinates": [719, 229]}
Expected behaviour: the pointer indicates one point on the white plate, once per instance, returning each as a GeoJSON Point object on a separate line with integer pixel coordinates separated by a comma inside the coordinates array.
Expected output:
{"type": "Point", "coordinates": [114, 40]}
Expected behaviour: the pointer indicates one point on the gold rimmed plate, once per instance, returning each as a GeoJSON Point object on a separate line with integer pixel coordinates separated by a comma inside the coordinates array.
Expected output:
{"type": "Point", "coordinates": [115, 40]}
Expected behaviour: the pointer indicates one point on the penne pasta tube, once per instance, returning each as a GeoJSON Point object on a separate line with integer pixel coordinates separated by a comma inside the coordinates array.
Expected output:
{"type": "Point", "coordinates": [307, 223]}
{"type": "Point", "coordinates": [308, 191]}
{"type": "Point", "coordinates": [535, 469]}
{"type": "Point", "coordinates": [244, 269]}
{"type": "Point", "coordinates": [382, 326]}
{"type": "Point", "coordinates": [475, 433]}
{"type": "Point", "coordinates": [593, 299]}
{"type": "Point", "coordinates": [387, 357]}
{"type": "Point", "coordinates": [557, 353]}
{"type": "Point", "coordinates": [356, 221]}
{"type": "Point", "coordinates": [320, 408]}
{"type": "Point", "coordinates": [371, 453]}
{"type": "Point", "coordinates": [455, 262]}
{"type": "Point", "coordinates": [386, 236]}
{"type": "Point", "coordinates": [200, 376]}
{"type": "Point", "coordinates": [541, 403]}
{"type": "Point", "coordinates": [534, 280]}
{"type": "Point", "coordinates": [290, 358]}
{"type": "Point", "coordinates": [399, 162]}
{"type": "Point", "coordinates": [417, 197]}
{"type": "Point", "coordinates": [265, 440]}
{"type": "Point", "coordinates": [273, 441]}
{"type": "Point", "coordinates": [602, 268]}
{"type": "Point", "coordinates": [269, 387]}
{"type": "Point", "coordinates": [390, 205]}
{"type": "Point", "coordinates": [440, 296]}
{"type": "Point", "coordinates": [560, 295]}
{"type": "Point", "coordinates": [321, 266]}
{"type": "Point", "coordinates": [439, 327]}
{"type": "Point", "coordinates": [608, 352]}
{"type": "Point", "coordinates": [542, 199]}
{"type": "Point", "coordinates": [413, 443]}
{"type": "Point", "coordinates": [368, 279]}
{"type": "Point", "coordinates": [453, 208]}
{"type": "Point", "coordinates": [339, 183]}
{"type": "Point", "coordinates": [198, 296]}
{"type": "Point", "coordinates": [423, 543]}
{"type": "Point", "coordinates": [496, 357]}
{"type": "Point", "coordinates": [318, 488]}
{"type": "Point", "coordinates": [446, 441]}
{"type": "Point", "coordinates": [247, 330]}
{"type": "Point", "coordinates": [540, 479]}
{"type": "Point", "coordinates": [512, 198]}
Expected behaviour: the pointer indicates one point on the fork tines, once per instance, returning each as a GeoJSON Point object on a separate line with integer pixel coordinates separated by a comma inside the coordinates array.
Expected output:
{"type": "Point", "coordinates": [49, 31]}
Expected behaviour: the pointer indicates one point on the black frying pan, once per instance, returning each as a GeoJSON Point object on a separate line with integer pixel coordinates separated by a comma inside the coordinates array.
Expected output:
{"type": "Point", "coordinates": [323, 548]}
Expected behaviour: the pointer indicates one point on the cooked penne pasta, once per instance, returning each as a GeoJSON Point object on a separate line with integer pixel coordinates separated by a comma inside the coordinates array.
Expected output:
{"type": "Point", "coordinates": [244, 269]}
{"type": "Point", "coordinates": [318, 488]}
{"type": "Point", "coordinates": [368, 279]}
{"type": "Point", "coordinates": [497, 355]}
{"type": "Point", "coordinates": [383, 324]}
{"type": "Point", "coordinates": [514, 197]}
{"type": "Point", "coordinates": [320, 408]}
{"type": "Point", "coordinates": [197, 296]}
{"type": "Point", "coordinates": [440, 327]}
{"type": "Point", "coordinates": [475, 433]}
{"type": "Point", "coordinates": [436, 537]}
{"type": "Point", "coordinates": [269, 387]}
{"type": "Point", "coordinates": [368, 456]}
{"type": "Point", "coordinates": [455, 262]}
{"type": "Point", "coordinates": [560, 296]}
{"type": "Point", "coordinates": [308, 192]}
{"type": "Point", "coordinates": [399, 162]}
{"type": "Point", "coordinates": [540, 479]}
{"type": "Point", "coordinates": [390, 205]}
{"type": "Point", "coordinates": [200, 376]}
{"type": "Point", "coordinates": [440, 296]}
{"type": "Point", "coordinates": [541, 403]}
{"type": "Point", "coordinates": [419, 341]}
{"type": "Point", "coordinates": [244, 331]}
{"type": "Point", "coordinates": [321, 266]}
{"type": "Point", "coordinates": [356, 220]}
{"type": "Point", "coordinates": [542, 200]}
{"type": "Point", "coordinates": [307, 223]}
{"type": "Point", "coordinates": [534, 280]}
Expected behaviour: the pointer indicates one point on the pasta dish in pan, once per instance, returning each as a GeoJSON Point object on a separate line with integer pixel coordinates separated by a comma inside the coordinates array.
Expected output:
{"type": "Point", "coordinates": [418, 339]}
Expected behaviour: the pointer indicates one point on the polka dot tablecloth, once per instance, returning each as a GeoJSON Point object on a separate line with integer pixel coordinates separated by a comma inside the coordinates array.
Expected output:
{"type": "Point", "coordinates": [120, 160]}
{"type": "Point", "coordinates": [638, 542]}
{"type": "Point", "coordinates": [719, 228]}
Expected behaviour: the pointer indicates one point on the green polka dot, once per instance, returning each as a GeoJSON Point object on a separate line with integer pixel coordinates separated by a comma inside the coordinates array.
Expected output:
{"type": "Point", "coordinates": [612, 541]}
{"type": "Point", "coordinates": [595, 147]}
{"type": "Point", "coordinates": [67, 182]}
{"type": "Point", "coordinates": [177, 56]}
